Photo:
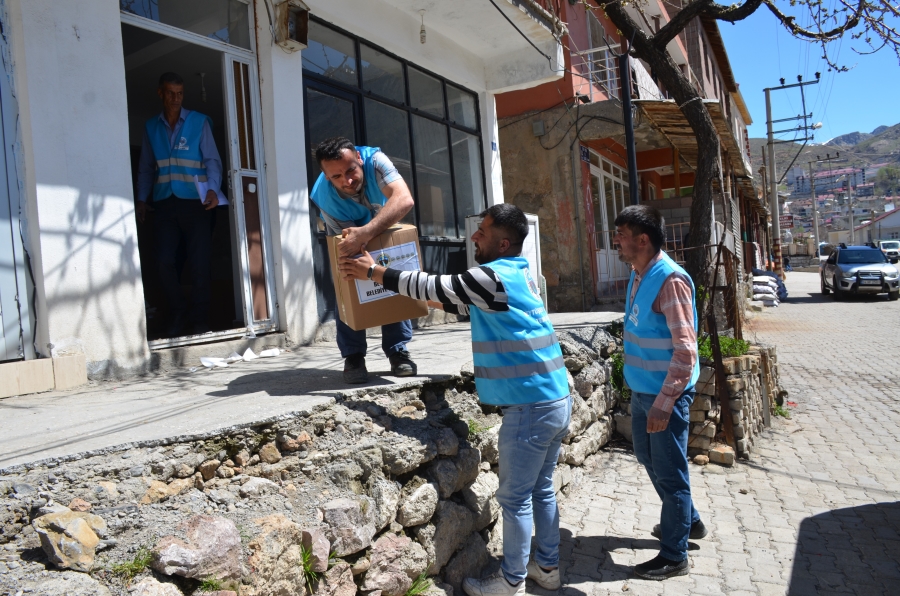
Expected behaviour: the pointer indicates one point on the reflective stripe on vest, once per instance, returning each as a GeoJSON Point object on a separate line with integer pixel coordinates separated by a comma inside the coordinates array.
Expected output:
{"type": "Point", "coordinates": [647, 339]}
{"type": "Point", "coordinates": [520, 345]}
{"type": "Point", "coordinates": [517, 357]}
{"type": "Point", "coordinates": [647, 343]}
{"type": "Point", "coordinates": [519, 370]}
{"type": "Point", "coordinates": [177, 164]}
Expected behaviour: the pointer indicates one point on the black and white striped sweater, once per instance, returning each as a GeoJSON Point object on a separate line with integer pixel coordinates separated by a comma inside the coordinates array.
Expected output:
{"type": "Point", "coordinates": [479, 287]}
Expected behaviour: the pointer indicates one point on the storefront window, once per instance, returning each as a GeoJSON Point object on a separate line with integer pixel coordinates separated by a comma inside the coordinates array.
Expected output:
{"type": "Point", "coordinates": [433, 185]}
{"type": "Point", "coordinates": [467, 174]}
{"type": "Point", "coordinates": [330, 54]}
{"type": "Point", "coordinates": [388, 129]}
{"type": "Point", "coordinates": [432, 139]}
{"type": "Point", "coordinates": [382, 74]}
{"type": "Point", "coordinates": [462, 107]}
{"type": "Point", "coordinates": [425, 93]}
{"type": "Point", "coordinates": [223, 20]}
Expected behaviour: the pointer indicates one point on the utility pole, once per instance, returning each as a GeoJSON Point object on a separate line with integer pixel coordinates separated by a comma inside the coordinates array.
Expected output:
{"type": "Point", "coordinates": [812, 184]}
{"type": "Point", "coordinates": [805, 128]}
{"type": "Point", "coordinates": [773, 191]}
{"type": "Point", "coordinates": [850, 206]}
{"type": "Point", "coordinates": [630, 151]}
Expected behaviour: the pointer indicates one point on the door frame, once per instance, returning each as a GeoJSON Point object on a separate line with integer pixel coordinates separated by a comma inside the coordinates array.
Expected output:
{"type": "Point", "coordinates": [232, 53]}
{"type": "Point", "coordinates": [15, 305]}
{"type": "Point", "coordinates": [605, 253]}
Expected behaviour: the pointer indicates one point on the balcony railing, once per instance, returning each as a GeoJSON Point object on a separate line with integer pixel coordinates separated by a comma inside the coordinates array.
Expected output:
{"type": "Point", "coordinates": [600, 67]}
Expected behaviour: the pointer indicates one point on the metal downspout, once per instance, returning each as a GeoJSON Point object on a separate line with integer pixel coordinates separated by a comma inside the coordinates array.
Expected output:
{"type": "Point", "coordinates": [576, 149]}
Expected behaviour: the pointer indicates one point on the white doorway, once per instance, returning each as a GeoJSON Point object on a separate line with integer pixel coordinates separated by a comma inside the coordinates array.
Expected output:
{"type": "Point", "coordinates": [212, 50]}
{"type": "Point", "coordinates": [609, 195]}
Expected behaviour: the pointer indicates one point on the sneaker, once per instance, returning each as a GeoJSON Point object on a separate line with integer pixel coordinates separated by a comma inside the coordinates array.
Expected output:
{"type": "Point", "coordinates": [493, 585]}
{"type": "Point", "coordinates": [355, 369]}
{"type": "Point", "coordinates": [402, 365]}
{"type": "Point", "coordinates": [698, 531]}
{"type": "Point", "coordinates": [660, 568]}
{"type": "Point", "coordinates": [549, 580]}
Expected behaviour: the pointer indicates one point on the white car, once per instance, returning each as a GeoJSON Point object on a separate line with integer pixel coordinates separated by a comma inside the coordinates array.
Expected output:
{"type": "Point", "coordinates": [891, 249]}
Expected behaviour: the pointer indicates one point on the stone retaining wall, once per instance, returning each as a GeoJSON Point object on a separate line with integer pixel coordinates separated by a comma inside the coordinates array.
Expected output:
{"type": "Point", "coordinates": [747, 378]}
{"type": "Point", "coordinates": [372, 491]}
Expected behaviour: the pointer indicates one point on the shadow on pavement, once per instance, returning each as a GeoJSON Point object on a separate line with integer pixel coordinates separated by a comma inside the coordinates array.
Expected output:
{"type": "Point", "coordinates": [854, 549]}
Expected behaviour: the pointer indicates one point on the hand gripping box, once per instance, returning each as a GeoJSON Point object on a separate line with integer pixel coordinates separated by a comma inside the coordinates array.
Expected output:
{"type": "Point", "coordinates": [365, 304]}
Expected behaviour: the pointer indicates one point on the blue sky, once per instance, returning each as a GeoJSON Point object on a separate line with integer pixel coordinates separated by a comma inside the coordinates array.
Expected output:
{"type": "Point", "coordinates": [761, 51]}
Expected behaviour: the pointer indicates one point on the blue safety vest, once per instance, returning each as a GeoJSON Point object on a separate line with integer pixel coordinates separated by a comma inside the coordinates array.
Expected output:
{"type": "Point", "coordinates": [516, 354]}
{"type": "Point", "coordinates": [647, 339]}
{"type": "Point", "coordinates": [326, 197]}
{"type": "Point", "coordinates": [177, 164]}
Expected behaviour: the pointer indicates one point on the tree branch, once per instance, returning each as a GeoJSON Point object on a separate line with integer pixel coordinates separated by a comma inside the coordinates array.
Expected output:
{"type": "Point", "coordinates": [788, 21]}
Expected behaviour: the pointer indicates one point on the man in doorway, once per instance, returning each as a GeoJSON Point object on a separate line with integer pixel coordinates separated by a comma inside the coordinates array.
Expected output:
{"type": "Point", "coordinates": [518, 367]}
{"type": "Point", "coordinates": [178, 145]}
{"type": "Point", "coordinates": [360, 194]}
{"type": "Point", "coordinates": [661, 369]}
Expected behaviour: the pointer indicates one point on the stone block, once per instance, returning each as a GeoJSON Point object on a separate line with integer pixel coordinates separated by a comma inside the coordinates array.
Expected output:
{"type": "Point", "coordinates": [698, 416]}
{"type": "Point", "coordinates": [743, 445]}
{"type": "Point", "coordinates": [69, 371]}
{"type": "Point", "coordinates": [704, 429]}
{"type": "Point", "coordinates": [26, 376]}
{"type": "Point", "coordinates": [702, 402]}
{"type": "Point", "coordinates": [731, 365]}
{"type": "Point", "coordinates": [698, 442]}
{"type": "Point", "coordinates": [721, 454]}
{"type": "Point", "coordinates": [735, 384]}
{"type": "Point", "coordinates": [737, 417]}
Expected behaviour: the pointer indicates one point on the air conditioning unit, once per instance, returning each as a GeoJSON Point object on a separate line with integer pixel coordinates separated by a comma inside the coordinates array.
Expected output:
{"type": "Point", "coordinates": [291, 24]}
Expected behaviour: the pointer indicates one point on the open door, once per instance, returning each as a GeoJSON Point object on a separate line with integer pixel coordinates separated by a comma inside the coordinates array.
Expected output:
{"type": "Point", "coordinates": [246, 183]}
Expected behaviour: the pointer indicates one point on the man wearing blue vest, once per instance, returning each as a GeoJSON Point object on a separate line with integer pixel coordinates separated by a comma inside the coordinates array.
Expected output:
{"type": "Point", "coordinates": [360, 194]}
{"type": "Point", "coordinates": [661, 369]}
{"type": "Point", "coordinates": [178, 145]}
{"type": "Point", "coordinates": [518, 367]}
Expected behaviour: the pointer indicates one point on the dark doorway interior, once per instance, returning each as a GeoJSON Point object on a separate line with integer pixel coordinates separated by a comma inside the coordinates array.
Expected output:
{"type": "Point", "coordinates": [147, 56]}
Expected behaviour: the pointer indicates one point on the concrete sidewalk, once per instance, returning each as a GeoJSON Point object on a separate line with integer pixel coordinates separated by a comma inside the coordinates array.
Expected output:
{"type": "Point", "coordinates": [185, 404]}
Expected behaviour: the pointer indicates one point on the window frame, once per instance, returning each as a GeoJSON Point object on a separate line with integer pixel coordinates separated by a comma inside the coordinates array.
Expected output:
{"type": "Point", "coordinates": [362, 93]}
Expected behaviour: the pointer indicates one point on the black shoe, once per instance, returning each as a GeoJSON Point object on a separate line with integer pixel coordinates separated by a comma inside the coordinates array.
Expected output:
{"type": "Point", "coordinates": [355, 369]}
{"type": "Point", "coordinates": [698, 531]}
{"type": "Point", "coordinates": [402, 365]}
{"type": "Point", "coordinates": [660, 568]}
{"type": "Point", "coordinates": [176, 325]}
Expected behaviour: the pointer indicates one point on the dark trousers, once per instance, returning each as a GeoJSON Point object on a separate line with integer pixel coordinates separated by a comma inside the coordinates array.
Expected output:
{"type": "Point", "coordinates": [176, 220]}
{"type": "Point", "coordinates": [394, 337]}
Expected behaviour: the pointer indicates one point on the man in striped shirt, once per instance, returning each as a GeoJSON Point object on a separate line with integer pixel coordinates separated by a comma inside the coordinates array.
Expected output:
{"type": "Point", "coordinates": [661, 369]}
{"type": "Point", "coordinates": [518, 367]}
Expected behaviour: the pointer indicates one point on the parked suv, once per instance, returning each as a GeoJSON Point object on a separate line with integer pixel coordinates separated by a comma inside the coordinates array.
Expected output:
{"type": "Point", "coordinates": [891, 249]}
{"type": "Point", "coordinates": [859, 270]}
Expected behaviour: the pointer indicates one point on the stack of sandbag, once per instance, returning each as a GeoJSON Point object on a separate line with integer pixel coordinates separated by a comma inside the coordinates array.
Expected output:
{"type": "Point", "coordinates": [765, 290]}
{"type": "Point", "coordinates": [781, 292]}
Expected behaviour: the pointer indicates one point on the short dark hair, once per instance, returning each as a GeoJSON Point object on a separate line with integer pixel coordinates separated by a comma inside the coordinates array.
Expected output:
{"type": "Point", "coordinates": [644, 219]}
{"type": "Point", "coordinates": [510, 219]}
{"type": "Point", "coordinates": [170, 77]}
{"type": "Point", "coordinates": [330, 149]}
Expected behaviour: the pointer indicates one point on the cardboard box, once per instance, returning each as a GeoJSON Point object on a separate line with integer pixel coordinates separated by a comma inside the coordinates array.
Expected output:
{"type": "Point", "coordinates": [365, 304]}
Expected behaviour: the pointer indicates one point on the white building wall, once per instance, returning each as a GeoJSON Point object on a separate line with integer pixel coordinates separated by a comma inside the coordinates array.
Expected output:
{"type": "Point", "coordinates": [70, 81]}
{"type": "Point", "coordinates": [284, 140]}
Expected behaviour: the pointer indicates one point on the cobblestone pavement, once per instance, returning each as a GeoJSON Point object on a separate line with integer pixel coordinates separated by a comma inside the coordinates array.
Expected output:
{"type": "Point", "coordinates": [814, 511]}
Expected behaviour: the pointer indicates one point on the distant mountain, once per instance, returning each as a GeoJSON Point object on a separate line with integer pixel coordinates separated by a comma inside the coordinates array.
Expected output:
{"type": "Point", "coordinates": [850, 139]}
{"type": "Point", "coordinates": [882, 146]}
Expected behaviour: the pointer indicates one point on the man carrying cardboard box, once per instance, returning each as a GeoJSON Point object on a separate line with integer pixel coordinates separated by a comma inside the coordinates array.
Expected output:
{"type": "Point", "coordinates": [360, 194]}
{"type": "Point", "coordinates": [518, 367]}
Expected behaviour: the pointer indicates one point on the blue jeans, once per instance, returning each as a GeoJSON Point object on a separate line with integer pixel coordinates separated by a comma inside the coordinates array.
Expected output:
{"type": "Point", "coordinates": [529, 442]}
{"type": "Point", "coordinates": [664, 455]}
{"type": "Point", "coordinates": [394, 337]}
